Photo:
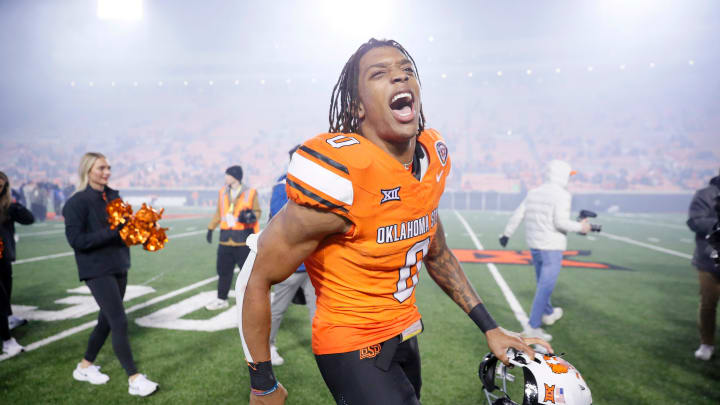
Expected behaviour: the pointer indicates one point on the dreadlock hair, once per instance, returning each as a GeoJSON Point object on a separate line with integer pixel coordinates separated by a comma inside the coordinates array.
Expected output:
{"type": "Point", "coordinates": [344, 99]}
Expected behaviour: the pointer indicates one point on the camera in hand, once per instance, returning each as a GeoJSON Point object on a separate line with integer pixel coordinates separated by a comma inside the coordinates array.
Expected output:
{"type": "Point", "coordinates": [590, 214]}
{"type": "Point", "coordinates": [247, 216]}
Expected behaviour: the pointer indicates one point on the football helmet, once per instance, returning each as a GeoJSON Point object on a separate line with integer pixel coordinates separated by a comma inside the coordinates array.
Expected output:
{"type": "Point", "coordinates": [549, 380]}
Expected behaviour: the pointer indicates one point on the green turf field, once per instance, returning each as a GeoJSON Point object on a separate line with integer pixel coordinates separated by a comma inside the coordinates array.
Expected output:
{"type": "Point", "coordinates": [630, 332]}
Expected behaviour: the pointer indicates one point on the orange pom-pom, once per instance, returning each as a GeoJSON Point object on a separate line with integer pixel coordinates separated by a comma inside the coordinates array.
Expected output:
{"type": "Point", "coordinates": [148, 214]}
{"type": "Point", "coordinates": [157, 240]}
{"type": "Point", "coordinates": [118, 212]}
{"type": "Point", "coordinates": [140, 229]}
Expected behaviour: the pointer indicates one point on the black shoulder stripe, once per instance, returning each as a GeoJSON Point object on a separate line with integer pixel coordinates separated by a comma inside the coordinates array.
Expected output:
{"type": "Point", "coordinates": [324, 159]}
{"type": "Point", "coordinates": [315, 196]}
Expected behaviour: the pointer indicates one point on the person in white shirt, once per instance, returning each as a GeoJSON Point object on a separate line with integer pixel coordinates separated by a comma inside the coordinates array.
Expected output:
{"type": "Point", "coordinates": [546, 211]}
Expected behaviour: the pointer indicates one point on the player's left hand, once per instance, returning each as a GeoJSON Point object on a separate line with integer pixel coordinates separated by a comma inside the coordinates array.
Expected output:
{"type": "Point", "coordinates": [500, 340]}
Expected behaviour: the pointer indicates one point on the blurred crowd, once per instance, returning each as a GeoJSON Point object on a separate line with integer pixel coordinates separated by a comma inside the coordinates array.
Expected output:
{"type": "Point", "coordinates": [497, 143]}
{"type": "Point", "coordinates": [43, 199]}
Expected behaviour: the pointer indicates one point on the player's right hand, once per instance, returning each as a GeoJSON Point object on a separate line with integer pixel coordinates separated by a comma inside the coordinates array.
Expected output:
{"type": "Point", "coordinates": [209, 235]}
{"type": "Point", "coordinates": [585, 224]}
{"type": "Point", "coordinates": [504, 240]}
{"type": "Point", "coordinates": [276, 398]}
{"type": "Point", "coordinates": [500, 340]}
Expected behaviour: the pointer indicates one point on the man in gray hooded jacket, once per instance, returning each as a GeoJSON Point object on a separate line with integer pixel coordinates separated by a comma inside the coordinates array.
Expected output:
{"type": "Point", "coordinates": [702, 216]}
{"type": "Point", "coordinates": [546, 211]}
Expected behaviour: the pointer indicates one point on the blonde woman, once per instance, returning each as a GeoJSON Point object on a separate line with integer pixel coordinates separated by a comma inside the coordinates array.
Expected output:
{"type": "Point", "coordinates": [10, 212]}
{"type": "Point", "coordinates": [103, 261]}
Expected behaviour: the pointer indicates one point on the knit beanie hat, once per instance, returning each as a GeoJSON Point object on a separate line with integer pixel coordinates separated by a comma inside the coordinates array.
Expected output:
{"type": "Point", "coordinates": [235, 171]}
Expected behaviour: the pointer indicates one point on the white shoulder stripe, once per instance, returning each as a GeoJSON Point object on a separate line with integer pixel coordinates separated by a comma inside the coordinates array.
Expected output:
{"type": "Point", "coordinates": [424, 162]}
{"type": "Point", "coordinates": [321, 178]}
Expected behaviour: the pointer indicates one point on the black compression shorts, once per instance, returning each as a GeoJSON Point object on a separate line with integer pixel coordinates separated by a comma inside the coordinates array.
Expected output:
{"type": "Point", "coordinates": [358, 378]}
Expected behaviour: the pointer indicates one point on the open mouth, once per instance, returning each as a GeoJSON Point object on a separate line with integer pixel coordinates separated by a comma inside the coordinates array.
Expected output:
{"type": "Point", "coordinates": [401, 105]}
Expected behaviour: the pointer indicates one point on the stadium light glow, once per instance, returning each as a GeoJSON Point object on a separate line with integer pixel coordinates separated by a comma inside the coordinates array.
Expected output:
{"type": "Point", "coordinates": [622, 67]}
{"type": "Point", "coordinates": [210, 83]}
{"type": "Point", "coordinates": [358, 20]}
{"type": "Point", "coordinates": [124, 10]}
{"type": "Point", "coordinates": [237, 82]}
{"type": "Point", "coordinates": [652, 65]}
{"type": "Point", "coordinates": [91, 84]}
{"type": "Point", "coordinates": [262, 82]}
{"type": "Point", "coordinates": [112, 84]}
{"type": "Point", "coordinates": [470, 74]}
{"type": "Point", "coordinates": [135, 84]}
{"type": "Point", "coordinates": [431, 38]}
{"type": "Point", "coordinates": [160, 84]}
{"type": "Point", "coordinates": [499, 73]}
{"type": "Point", "coordinates": [528, 72]}
{"type": "Point", "coordinates": [444, 76]}
{"type": "Point", "coordinates": [72, 84]}
{"type": "Point", "coordinates": [691, 62]}
{"type": "Point", "coordinates": [590, 68]}
{"type": "Point", "coordinates": [557, 70]}
{"type": "Point", "coordinates": [185, 83]}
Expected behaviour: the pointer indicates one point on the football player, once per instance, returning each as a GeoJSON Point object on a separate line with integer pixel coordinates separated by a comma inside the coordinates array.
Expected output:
{"type": "Point", "coordinates": [363, 214]}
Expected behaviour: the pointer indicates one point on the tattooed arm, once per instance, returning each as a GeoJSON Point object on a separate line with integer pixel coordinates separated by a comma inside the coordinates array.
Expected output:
{"type": "Point", "coordinates": [445, 270]}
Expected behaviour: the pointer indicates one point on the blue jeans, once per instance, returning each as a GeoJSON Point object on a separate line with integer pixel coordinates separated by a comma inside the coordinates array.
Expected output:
{"type": "Point", "coordinates": [547, 268]}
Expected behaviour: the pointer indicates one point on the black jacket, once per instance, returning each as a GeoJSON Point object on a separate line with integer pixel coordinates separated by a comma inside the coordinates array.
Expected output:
{"type": "Point", "coordinates": [99, 251]}
{"type": "Point", "coordinates": [701, 218]}
{"type": "Point", "coordinates": [16, 213]}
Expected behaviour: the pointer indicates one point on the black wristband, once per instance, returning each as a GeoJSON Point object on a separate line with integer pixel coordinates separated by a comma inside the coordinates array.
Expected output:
{"type": "Point", "coordinates": [482, 318]}
{"type": "Point", "coordinates": [261, 376]}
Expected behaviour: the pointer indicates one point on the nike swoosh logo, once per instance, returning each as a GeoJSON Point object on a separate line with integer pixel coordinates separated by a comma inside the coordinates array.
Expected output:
{"type": "Point", "coordinates": [439, 175]}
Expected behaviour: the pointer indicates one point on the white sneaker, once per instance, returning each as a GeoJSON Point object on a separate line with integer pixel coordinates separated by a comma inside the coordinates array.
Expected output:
{"type": "Point", "coordinates": [141, 386]}
{"type": "Point", "coordinates": [531, 332]}
{"type": "Point", "coordinates": [275, 357]}
{"type": "Point", "coordinates": [11, 347]}
{"type": "Point", "coordinates": [704, 352]}
{"type": "Point", "coordinates": [90, 374]}
{"type": "Point", "coordinates": [15, 321]}
{"type": "Point", "coordinates": [557, 313]}
{"type": "Point", "coordinates": [217, 304]}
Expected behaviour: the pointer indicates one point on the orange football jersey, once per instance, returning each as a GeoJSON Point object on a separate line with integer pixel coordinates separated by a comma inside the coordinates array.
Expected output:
{"type": "Point", "coordinates": [365, 280]}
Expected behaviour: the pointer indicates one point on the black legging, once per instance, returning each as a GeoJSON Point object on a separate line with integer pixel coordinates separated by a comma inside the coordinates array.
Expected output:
{"type": "Point", "coordinates": [227, 258]}
{"type": "Point", "coordinates": [4, 328]}
{"type": "Point", "coordinates": [108, 292]}
{"type": "Point", "coordinates": [6, 282]}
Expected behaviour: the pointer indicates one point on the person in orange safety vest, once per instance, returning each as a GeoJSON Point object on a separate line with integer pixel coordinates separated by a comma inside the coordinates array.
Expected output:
{"type": "Point", "coordinates": [237, 214]}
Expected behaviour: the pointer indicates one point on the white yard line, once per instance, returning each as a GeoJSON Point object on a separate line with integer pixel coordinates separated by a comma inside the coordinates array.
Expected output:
{"type": "Point", "coordinates": [643, 222]}
{"type": "Point", "coordinates": [162, 221]}
{"type": "Point", "coordinates": [39, 258]}
{"type": "Point", "coordinates": [515, 306]}
{"type": "Point", "coordinates": [88, 325]}
{"type": "Point", "coordinates": [154, 278]}
{"type": "Point", "coordinates": [55, 256]}
{"type": "Point", "coordinates": [24, 235]}
{"type": "Point", "coordinates": [645, 245]}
